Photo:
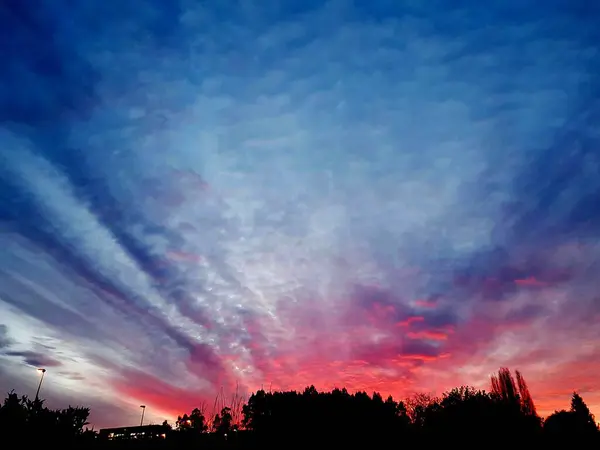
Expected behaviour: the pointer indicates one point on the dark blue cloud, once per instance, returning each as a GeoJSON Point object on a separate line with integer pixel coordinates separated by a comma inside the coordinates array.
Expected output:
{"type": "Point", "coordinates": [5, 341]}
{"type": "Point", "coordinates": [34, 359]}
{"type": "Point", "coordinates": [197, 190]}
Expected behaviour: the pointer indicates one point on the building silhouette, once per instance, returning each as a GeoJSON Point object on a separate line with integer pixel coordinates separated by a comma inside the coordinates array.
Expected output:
{"type": "Point", "coordinates": [135, 432]}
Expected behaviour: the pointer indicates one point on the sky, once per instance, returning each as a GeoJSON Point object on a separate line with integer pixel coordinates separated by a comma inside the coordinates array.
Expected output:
{"type": "Point", "coordinates": [204, 198]}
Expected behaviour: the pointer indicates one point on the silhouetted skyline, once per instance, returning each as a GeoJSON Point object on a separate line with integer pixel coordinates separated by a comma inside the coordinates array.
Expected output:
{"type": "Point", "coordinates": [504, 413]}
{"type": "Point", "coordinates": [385, 196]}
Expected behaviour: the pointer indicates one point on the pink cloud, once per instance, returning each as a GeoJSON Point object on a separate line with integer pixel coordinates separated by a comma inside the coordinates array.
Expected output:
{"type": "Point", "coordinates": [425, 304]}
{"type": "Point", "coordinates": [431, 335]}
{"type": "Point", "coordinates": [181, 256]}
{"type": "Point", "coordinates": [530, 282]}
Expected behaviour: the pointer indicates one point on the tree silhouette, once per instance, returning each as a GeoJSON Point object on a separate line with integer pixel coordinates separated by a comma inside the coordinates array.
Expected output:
{"type": "Point", "coordinates": [71, 421]}
{"type": "Point", "coordinates": [578, 421]}
{"type": "Point", "coordinates": [198, 421]}
{"type": "Point", "coordinates": [13, 414]}
{"type": "Point", "coordinates": [194, 423]}
{"type": "Point", "coordinates": [257, 411]}
{"type": "Point", "coordinates": [33, 421]}
{"type": "Point", "coordinates": [503, 385]}
{"type": "Point", "coordinates": [327, 419]}
{"type": "Point", "coordinates": [419, 407]}
{"type": "Point", "coordinates": [584, 417]}
{"type": "Point", "coordinates": [183, 423]}
{"type": "Point", "coordinates": [527, 405]}
{"type": "Point", "coordinates": [561, 423]}
{"type": "Point", "coordinates": [513, 393]}
{"type": "Point", "coordinates": [222, 423]}
{"type": "Point", "coordinates": [345, 418]}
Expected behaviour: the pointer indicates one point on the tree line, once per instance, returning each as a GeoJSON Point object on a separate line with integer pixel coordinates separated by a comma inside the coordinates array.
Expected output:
{"type": "Point", "coordinates": [506, 413]}
{"type": "Point", "coordinates": [23, 420]}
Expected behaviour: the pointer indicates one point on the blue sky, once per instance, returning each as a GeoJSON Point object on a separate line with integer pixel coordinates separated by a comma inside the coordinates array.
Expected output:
{"type": "Point", "coordinates": [391, 196]}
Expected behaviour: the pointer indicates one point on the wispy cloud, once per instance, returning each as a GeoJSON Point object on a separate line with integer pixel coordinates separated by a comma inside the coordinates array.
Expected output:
{"type": "Point", "coordinates": [196, 198]}
{"type": "Point", "coordinates": [35, 359]}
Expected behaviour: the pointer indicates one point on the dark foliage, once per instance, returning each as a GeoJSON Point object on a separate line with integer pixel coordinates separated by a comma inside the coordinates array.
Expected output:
{"type": "Point", "coordinates": [577, 421]}
{"type": "Point", "coordinates": [505, 415]}
{"type": "Point", "coordinates": [32, 422]}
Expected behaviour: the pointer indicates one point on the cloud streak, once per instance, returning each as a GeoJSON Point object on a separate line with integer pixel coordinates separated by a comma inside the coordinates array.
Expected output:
{"type": "Point", "coordinates": [199, 199]}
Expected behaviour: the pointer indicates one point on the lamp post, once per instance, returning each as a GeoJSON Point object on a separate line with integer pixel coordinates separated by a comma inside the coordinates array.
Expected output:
{"type": "Point", "coordinates": [43, 371]}
{"type": "Point", "coordinates": [143, 411]}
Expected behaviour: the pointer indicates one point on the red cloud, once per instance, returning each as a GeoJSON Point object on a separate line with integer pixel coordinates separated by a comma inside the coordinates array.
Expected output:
{"type": "Point", "coordinates": [409, 321]}
{"type": "Point", "coordinates": [531, 282]}
{"type": "Point", "coordinates": [375, 342]}
{"type": "Point", "coordinates": [158, 395]}
{"type": "Point", "coordinates": [428, 334]}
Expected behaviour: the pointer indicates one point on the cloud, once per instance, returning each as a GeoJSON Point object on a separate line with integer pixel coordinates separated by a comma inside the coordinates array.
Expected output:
{"type": "Point", "coordinates": [170, 399]}
{"type": "Point", "coordinates": [5, 341]}
{"type": "Point", "coordinates": [34, 359]}
{"type": "Point", "coordinates": [387, 197]}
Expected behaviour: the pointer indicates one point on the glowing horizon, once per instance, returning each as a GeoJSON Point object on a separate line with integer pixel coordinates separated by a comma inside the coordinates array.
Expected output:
{"type": "Point", "coordinates": [400, 199]}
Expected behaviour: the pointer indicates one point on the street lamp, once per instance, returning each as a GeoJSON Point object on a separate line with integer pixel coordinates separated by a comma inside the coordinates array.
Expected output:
{"type": "Point", "coordinates": [42, 371]}
{"type": "Point", "coordinates": [143, 411]}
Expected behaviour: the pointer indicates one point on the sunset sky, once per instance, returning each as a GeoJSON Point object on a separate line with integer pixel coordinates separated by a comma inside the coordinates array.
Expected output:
{"type": "Point", "coordinates": [393, 196]}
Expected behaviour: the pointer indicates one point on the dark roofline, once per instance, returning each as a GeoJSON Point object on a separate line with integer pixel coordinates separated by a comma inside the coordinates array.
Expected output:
{"type": "Point", "coordinates": [134, 428]}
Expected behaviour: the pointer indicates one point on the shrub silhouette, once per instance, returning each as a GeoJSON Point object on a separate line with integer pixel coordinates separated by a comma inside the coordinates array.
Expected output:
{"type": "Point", "coordinates": [33, 421]}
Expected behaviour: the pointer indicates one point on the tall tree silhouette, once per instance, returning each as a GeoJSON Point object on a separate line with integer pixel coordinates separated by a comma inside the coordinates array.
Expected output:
{"type": "Point", "coordinates": [503, 385]}
{"type": "Point", "coordinates": [222, 423]}
{"type": "Point", "coordinates": [527, 404]}
{"type": "Point", "coordinates": [516, 393]}
{"type": "Point", "coordinates": [257, 411]}
{"type": "Point", "coordinates": [581, 411]}
{"type": "Point", "coordinates": [518, 410]}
